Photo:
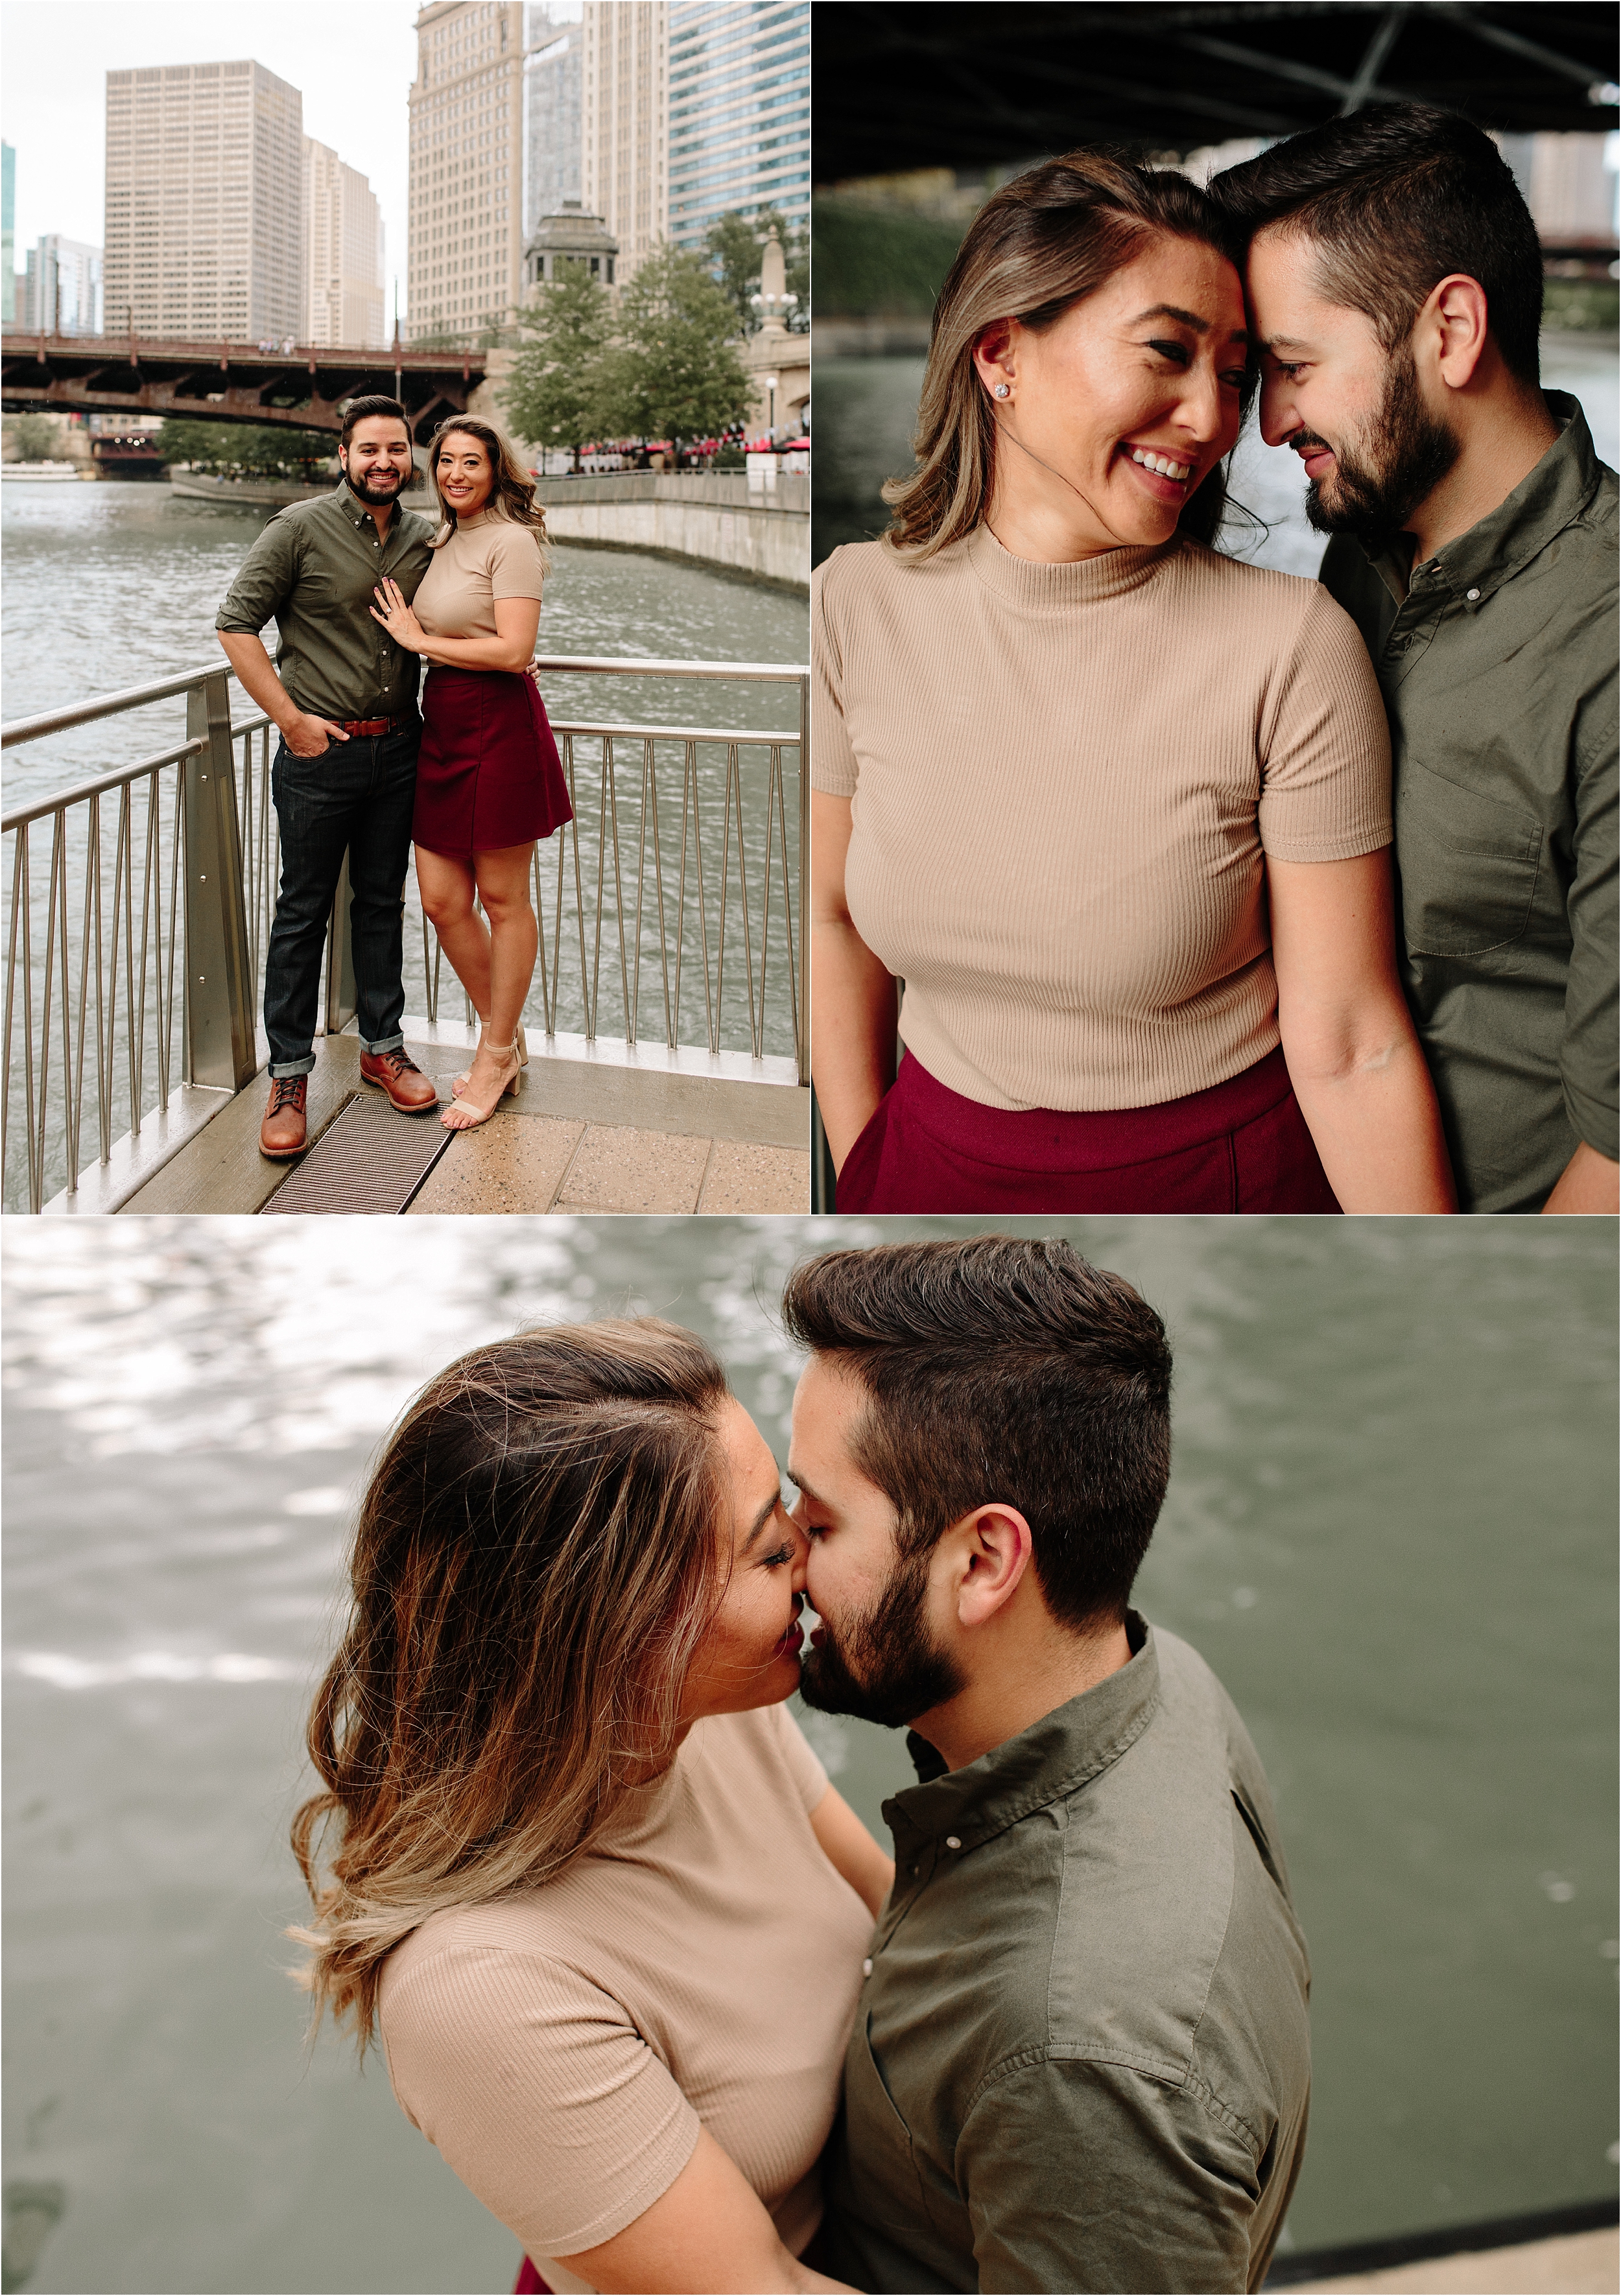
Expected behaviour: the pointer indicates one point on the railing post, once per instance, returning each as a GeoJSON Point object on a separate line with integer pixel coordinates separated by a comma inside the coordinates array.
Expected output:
{"type": "Point", "coordinates": [341, 1004]}
{"type": "Point", "coordinates": [803, 1044]}
{"type": "Point", "coordinates": [220, 1048]}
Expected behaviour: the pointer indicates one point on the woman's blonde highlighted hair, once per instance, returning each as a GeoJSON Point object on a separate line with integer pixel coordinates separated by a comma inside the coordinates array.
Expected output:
{"type": "Point", "coordinates": [1038, 246]}
{"type": "Point", "coordinates": [514, 496]}
{"type": "Point", "coordinates": [536, 1559]}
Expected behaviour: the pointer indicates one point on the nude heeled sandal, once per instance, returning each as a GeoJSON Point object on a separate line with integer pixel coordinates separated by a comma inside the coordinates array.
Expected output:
{"type": "Point", "coordinates": [476, 1116]}
{"type": "Point", "coordinates": [458, 1084]}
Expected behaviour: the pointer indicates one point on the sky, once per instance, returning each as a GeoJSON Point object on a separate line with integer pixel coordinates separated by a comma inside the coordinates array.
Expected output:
{"type": "Point", "coordinates": [353, 62]}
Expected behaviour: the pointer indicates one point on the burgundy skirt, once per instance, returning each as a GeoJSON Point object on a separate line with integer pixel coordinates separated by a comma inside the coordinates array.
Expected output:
{"type": "Point", "coordinates": [1242, 1146]}
{"type": "Point", "coordinates": [488, 773]}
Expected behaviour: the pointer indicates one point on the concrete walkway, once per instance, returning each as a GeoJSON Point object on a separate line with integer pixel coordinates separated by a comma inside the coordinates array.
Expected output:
{"type": "Point", "coordinates": [591, 1129]}
{"type": "Point", "coordinates": [1580, 2264]}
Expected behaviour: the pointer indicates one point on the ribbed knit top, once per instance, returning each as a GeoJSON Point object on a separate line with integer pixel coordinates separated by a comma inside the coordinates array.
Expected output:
{"type": "Point", "coordinates": [701, 1963]}
{"type": "Point", "coordinates": [1065, 783]}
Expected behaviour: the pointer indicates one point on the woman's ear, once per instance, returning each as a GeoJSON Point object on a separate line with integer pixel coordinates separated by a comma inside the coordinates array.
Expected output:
{"type": "Point", "coordinates": [994, 359]}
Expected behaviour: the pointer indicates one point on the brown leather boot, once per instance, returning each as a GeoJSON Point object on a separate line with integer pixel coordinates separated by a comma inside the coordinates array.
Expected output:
{"type": "Point", "coordinates": [283, 1131]}
{"type": "Point", "coordinates": [412, 1092]}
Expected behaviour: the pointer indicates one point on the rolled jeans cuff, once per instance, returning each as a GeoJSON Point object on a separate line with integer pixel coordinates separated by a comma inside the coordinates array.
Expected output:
{"type": "Point", "coordinates": [386, 1044]}
{"type": "Point", "coordinates": [292, 1068]}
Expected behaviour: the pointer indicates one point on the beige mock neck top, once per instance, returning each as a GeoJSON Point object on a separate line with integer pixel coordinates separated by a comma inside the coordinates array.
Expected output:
{"type": "Point", "coordinates": [479, 559]}
{"type": "Point", "coordinates": [1065, 783]}
{"type": "Point", "coordinates": [701, 1963]}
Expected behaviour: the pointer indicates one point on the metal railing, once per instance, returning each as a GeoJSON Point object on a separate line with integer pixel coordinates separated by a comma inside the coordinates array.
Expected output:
{"type": "Point", "coordinates": [139, 906]}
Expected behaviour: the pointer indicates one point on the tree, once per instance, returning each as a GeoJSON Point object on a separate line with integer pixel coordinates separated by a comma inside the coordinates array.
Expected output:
{"type": "Point", "coordinates": [37, 436]}
{"type": "Point", "coordinates": [676, 373]}
{"type": "Point", "coordinates": [260, 449]}
{"type": "Point", "coordinates": [557, 395]}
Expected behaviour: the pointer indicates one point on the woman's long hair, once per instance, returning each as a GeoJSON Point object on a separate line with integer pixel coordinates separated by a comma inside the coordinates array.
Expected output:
{"type": "Point", "coordinates": [536, 1562]}
{"type": "Point", "coordinates": [1037, 247]}
{"type": "Point", "coordinates": [513, 494]}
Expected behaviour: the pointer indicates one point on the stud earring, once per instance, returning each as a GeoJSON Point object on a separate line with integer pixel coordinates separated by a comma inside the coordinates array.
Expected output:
{"type": "Point", "coordinates": [1002, 390]}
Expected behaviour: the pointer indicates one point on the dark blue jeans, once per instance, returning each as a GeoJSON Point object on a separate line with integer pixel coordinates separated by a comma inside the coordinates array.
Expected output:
{"type": "Point", "coordinates": [357, 797]}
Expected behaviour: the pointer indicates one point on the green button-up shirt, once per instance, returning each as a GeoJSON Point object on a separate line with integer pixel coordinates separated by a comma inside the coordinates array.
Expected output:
{"type": "Point", "coordinates": [312, 571]}
{"type": "Point", "coordinates": [1497, 659]}
{"type": "Point", "coordinates": [1080, 2058]}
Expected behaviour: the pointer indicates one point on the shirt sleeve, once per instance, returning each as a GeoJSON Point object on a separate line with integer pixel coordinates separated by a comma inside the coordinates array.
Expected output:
{"type": "Point", "coordinates": [1587, 1053]}
{"type": "Point", "coordinates": [833, 768]}
{"type": "Point", "coordinates": [1157, 2191]}
{"type": "Point", "coordinates": [263, 582]}
{"type": "Point", "coordinates": [515, 567]}
{"type": "Point", "coordinates": [1325, 744]}
{"type": "Point", "coordinates": [539, 2092]}
{"type": "Point", "coordinates": [804, 1765]}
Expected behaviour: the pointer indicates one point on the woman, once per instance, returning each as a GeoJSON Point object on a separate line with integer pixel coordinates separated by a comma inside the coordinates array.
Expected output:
{"type": "Point", "coordinates": [586, 1877]}
{"type": "Point", "coordinates": [489, 780]}
{"type": "Point", "coordinates": [1115, 808]}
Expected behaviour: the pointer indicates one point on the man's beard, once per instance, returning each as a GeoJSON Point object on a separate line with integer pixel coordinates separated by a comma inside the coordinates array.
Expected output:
{"type": "Point", "coordinates": [359, 487]}
{"type": "Point", "coordinates": [882, 1667]}
{"type": "Point", "coordinates": [1408, 451]}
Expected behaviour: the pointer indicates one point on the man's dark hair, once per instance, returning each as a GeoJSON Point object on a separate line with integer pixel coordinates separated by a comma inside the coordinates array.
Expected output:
{"type": "Point", "coordinates": [375, 403]}
{"type": "Point", "coordinates": [998, 1368]}
{"type": "Point", "coordinates": [1394, 199]}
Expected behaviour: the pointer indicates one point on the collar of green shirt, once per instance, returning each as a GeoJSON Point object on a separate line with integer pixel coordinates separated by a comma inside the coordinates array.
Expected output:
{"type": "Point", "coordinates": [1494, 549]}
{"type": "Point", "coordinates": [359, 512]}
{"type": "Point", "coordinates": [1065, 1750]}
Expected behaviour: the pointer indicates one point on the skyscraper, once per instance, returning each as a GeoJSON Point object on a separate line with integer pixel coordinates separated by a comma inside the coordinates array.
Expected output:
{"type": "Point", "coordinates": [8, 222]}
{"type": "Point", "coordinates": [61, 292]}
{"type": "Point", "coordinates": [623, 159]}
{"type": "Point", "coordinates": [466, 251]}
{"type": "Point", "coordinates": [343, 254]}
{"type": "Point", "coordinates": [739, 113]}
{"type": "Point", "coordinates": [554, 87]}
{"type": "Point", "coordinates": [204, 166]}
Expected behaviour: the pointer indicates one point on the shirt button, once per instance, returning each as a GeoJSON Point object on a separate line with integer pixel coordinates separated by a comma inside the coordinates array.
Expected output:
{"type": "Point", "coordinates": [914, 1869]}
{"type": "Point", "coordinates": [1471, 594]}
{"type": "Point", "coordinates": [866, 1966]}
{"type": "Point", "coordinates": [951, 1843]}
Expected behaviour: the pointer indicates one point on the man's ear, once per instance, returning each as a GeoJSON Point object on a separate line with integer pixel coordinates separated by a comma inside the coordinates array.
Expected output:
{"type": "Point", "coordinates": [987, 1554]}
{"type": "Point", "coordinates": [1453, 326]}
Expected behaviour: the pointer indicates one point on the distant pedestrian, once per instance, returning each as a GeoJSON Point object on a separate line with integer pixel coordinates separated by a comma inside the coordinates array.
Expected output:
{"type": "Point", "coordinates": [490, 781]}
{"type": "Point", "coordinates": [344, 700]}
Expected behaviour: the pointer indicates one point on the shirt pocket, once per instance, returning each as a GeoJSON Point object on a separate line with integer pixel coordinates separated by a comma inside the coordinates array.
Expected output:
{"type": "Point", "coordinates": [1468, 865]}
{"type": "Point", "coordinates": [880, 2145]}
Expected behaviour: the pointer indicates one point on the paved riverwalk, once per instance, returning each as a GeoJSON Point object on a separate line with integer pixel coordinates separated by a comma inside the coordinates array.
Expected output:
{"type": "Point", "coordinates": [1580, 2264]}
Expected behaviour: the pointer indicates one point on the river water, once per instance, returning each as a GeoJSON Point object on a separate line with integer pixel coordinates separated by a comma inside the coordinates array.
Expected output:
{"type": "Point", "coordinates": [112, 585]}
{"type": "Point", "coordinates": [1391, 1529]}
{"type": "Point", "coordinates": [865, 409]}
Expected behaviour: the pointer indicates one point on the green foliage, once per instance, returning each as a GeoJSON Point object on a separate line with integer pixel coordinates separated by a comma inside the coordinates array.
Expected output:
{"type": "Point", "coordinates": [731, 457]}
{"type": "Point", "coordinates": [557, 395]}
{"type": "Point", "coordinates": [1588, 305]}
{"type": "Point", "coordinates": [255, 449]}
{"type": "Point", "coordinates": [878, 262]}
{"type": "Point", "coordinates": [735, 242]}
{"type": "Point", "coordinates": [675, 373]}
{"type": "Point", "coordinates": [37, 438]}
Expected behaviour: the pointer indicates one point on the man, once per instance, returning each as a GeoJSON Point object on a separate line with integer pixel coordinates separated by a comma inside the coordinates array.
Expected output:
{"type": "Point", "coordinates": [344, 697]}
{"type": "Point", "coordinates": [1080, 2058]}
{"type": "Point", "coordinates": [1396, 283]}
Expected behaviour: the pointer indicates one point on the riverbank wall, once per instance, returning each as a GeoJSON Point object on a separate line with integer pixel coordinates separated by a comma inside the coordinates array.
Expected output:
{"type": "Point", "coordinates": [717, 518]}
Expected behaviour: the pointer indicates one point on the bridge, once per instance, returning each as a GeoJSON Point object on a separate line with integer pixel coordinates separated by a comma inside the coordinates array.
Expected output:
{"type": "Point", "coordinates": [304, 388]}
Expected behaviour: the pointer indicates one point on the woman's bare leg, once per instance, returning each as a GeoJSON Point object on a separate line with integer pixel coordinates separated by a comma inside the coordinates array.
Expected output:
{"type": "Point", "coordinates": [447, 887]}
{"type": "Point", "coordinates": [503, 880]}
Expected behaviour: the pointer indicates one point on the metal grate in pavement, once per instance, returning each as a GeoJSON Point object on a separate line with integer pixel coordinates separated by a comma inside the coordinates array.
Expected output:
{"type": "Point", "coordinates": [370, 1159]}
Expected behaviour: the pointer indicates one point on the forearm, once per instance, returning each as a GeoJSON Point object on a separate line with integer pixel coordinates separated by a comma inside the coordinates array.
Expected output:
{"type": "Point", "coordinates": [853, 1001]}
{"type": "Point", "coordinates": [476, 653]}
{"type": "Point", "coordinates": [1371, 1110]}
{"type": "Point", "coordinates": [256, 674]}
{"type": "Point", "coordinates": [1588, 1183]}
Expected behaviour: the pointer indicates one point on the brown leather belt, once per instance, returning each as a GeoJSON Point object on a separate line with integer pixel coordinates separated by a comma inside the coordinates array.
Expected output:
{"type": "Point", "coordinates": [372, 725]}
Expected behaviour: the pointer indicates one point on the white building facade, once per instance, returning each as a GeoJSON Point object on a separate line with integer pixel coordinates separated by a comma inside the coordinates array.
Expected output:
{"type": "Point", "coordinates": [466, 259]}
{"type": "Point", "coordinates": [343, 255]}
{"type": "Point", "coordinates": [62, 288]}
{"type": "Point", "coordinates": [554, 92]}
{"type": "Point", "coordinates": [738, 132]}
{"type": "Point", "coordinates": [204, 203]}
{"type": "Point", "coordinates": [624, 123]}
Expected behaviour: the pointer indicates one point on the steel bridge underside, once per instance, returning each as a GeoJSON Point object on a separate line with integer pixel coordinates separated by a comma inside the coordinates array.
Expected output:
{"type": "Point", "coordinates": [228, 382]}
